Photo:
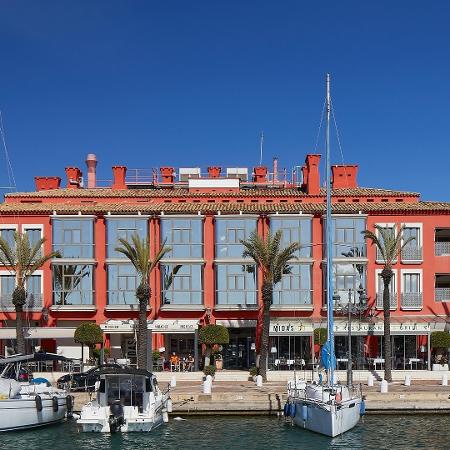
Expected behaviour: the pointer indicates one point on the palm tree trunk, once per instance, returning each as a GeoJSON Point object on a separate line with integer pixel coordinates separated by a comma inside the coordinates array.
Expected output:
{"type": "Point", "coordinates": [19, 330]}
{"type": "Point", "coordinates": [267, 292]}
{"type": "Point", "coordinates": [387, 274]}
{"type": "Point", "coordinates": [143, 294]}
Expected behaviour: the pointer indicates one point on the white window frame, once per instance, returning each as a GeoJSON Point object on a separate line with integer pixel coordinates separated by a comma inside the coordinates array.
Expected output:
{"type": "Point", "coordinates": [39, 273]}
{"type": "Point", "coordinates": [394, 283]}
{"type": "Point", "coordinates": [402, 288]}
{"type": "Point", "coordinates": [420, 244]}
{"type": "Point", "coordinates": [377, 234]}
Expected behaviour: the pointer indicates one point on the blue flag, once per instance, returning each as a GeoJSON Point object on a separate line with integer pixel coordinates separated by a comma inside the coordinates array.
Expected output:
{"type": "Point", "coordinates": [328, 361]}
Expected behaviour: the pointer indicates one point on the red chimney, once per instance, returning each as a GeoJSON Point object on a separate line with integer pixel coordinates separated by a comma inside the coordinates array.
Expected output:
{"type": "Point", "coordinates": [119, 173]}
{"type": "Point", "coordinates": [73, 177]}
{"type": "Point", "coordinates": [91, 163]}
{"type": "Point", "coordinates": [46, 183]}
{"type": "Point", "coordinates": [313, 179]}
{"type": "Point", "coordinates": [344, 176]}
{"type": "Point", "coordinates": [167, 174]}
{"type": "Point", "coordinates": [214, 171]}
{"type": "Point", "coordinates": [260, 174]}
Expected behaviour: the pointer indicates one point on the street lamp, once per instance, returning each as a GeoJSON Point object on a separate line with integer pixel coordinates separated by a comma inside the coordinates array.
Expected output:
{"type": "Point", "coordinates": [351, 308]}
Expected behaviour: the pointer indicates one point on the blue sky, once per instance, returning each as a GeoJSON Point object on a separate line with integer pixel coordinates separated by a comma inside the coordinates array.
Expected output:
{"type": "Point", "coordinates": [151, 83]}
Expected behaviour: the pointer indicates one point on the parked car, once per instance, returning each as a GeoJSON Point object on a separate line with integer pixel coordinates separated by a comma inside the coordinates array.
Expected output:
{"type": "Point", "coordinates": [84, 381]}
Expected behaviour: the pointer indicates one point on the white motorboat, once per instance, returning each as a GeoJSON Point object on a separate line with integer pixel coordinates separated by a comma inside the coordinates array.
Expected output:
{"type": "Point", "coordinates": [29, 405]}
{"type": "Point", "coordinates": [127, 399]}
{"type": "Point", "coordinates": [327, 408]}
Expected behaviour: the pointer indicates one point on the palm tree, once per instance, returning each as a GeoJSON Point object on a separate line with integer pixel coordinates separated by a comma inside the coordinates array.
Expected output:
{"type": "Point", "coordinates": [22, 259]}
{"type": "Point", "coordinates": [389, 245]}
{"type": "Point", "coordinates": [273, 263]}
{"type": "Point", "coordinates": [138, 252]}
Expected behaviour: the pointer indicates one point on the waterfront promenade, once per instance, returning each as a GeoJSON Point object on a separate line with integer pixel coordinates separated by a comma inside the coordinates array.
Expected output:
{"type": "Point", "coordinates": [238, 395]}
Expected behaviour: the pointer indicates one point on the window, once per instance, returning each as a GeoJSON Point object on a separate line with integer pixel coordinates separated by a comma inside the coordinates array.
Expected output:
{"type": "Point", "coordinates": [8, 235]}
{"type": "Point", "coordinates": [182, 284]}
{"type": "Point", "coordinates": [347, 276]}
{"type": "Point", "coordinates": [33, 288]}
{"type": "Point", "coordinates": [294, 230]}
{"type": "Point", "coordinates": [392, 290]}
{"type": "Point", "coordinates": [411, 283]}
{"type": "Point", "coordinates": [34, 235]}
{"type": "Point", "coordinates": [412, 251]}
{"type": "Point", "coordinates": [73, 284]}
{"type": "Point", "coordinates": [411, 289]}
{"type": "Point", "coordinates": [229, 233]}
{"type": "Point", "coordinates": [122, 284]}
{"type": "Point", "coordinates": [294, 288]}
{"type": "Point", "coordinates": [7, 285]}
{"type": "Point", "coordinates": [236, 284]}
{"type": "Point", "coordinates": [184, 236]}
{"type": "Point", "coordinates": [348, 238]}
{"type": "Point", "coordinates": [123, 229]}
{"type": "Point", "coordinates": [391, 230]}
{"type": "Point", "coordinates": [74, 238]}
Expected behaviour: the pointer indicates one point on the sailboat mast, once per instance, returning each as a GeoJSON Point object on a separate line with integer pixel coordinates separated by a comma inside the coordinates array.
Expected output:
{"type": "Point", "coordinates": [329, 236]}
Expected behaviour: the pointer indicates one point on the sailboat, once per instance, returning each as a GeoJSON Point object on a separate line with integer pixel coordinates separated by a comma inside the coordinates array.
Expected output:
{"type": "Point", "coordinates": [329, 407]}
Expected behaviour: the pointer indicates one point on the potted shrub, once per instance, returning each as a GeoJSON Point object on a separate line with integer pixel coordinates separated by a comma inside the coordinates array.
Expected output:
{"type": "Point", "coordinates": [90, 334]}
{"type": "Point", "coordinates": [212, 335]}
{"type": "Point", "coordinates": [254, 371]}
{"type": "Point", "coordinates": [209, 370]}
{"type": "Point", "coordinates": [440, 343]}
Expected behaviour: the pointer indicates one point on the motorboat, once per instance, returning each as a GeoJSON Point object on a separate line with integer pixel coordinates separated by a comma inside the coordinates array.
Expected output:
{"type": "Point", "coordinates": [32, 403]}
{"type": "Point", "coordinates": [127, 399]}
{"type": "Point", "coordinates": [326, 407]}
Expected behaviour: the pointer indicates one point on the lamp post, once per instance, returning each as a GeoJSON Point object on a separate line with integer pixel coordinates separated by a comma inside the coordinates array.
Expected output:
{"type": "Point", "coordinates": [351, 308]}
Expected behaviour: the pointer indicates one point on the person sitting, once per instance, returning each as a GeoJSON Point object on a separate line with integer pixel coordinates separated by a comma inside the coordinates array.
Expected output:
{"type": "Point", "coordinates": [174, 362]}
{"type": "Point", "coordinates": [190, 363]}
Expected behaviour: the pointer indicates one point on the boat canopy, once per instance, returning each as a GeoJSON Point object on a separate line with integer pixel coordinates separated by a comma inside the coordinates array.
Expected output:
{"type": "Point", "coordinates": [38, 356]}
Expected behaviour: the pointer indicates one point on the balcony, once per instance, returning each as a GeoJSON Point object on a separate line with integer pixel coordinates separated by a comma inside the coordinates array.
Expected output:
{"type": "Point", "coordinates": [412, 300]}
{"type": "Point", "coordinates": [441, 248]}
{"type": "Point", "coordinates": [34, 302]}
{"type": "Point", "coordinates": [413, 254]}
{"type": "Point", "coordinates": [392, 300]}
{"type": "Point", "coordinates": [442, 294]}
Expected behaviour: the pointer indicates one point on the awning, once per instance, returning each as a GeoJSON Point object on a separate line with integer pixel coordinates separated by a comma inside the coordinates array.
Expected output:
{"type": "Point", "coordinates": [173, 326]}
{"type": "Point", "coordinates": [118, 326]}
{"type": "Point", "coordinates": [39, 333]}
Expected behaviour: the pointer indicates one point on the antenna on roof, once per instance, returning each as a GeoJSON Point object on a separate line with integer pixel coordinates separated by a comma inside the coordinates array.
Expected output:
{"type": "Point", "coordinates": [261, 146]}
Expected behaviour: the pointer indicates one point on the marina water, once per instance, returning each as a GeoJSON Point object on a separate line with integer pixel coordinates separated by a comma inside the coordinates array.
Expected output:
{"type": "Point", "coordinates": [247, 432]}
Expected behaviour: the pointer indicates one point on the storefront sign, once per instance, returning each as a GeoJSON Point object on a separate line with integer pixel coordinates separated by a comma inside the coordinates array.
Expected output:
{"type": "Point", "coordinates": [118, 326]}
{"type": "Point", "coordinates": [173, 326]}
{"type": "Point", "coordinates": [378, 328]}
{"type": "Point", "coordinates": [290, 328]}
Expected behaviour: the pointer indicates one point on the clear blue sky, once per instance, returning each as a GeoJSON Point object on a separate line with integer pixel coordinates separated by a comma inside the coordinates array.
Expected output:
{"type": "Point", "coordinates": [152, 83]}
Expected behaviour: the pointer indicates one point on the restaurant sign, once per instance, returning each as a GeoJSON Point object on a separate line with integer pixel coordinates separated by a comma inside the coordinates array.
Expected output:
{"type": "Point", "coordinates": [290, 328]}
{"type": "Point", "coordinates": [173, 326]}
{"type": "Point", "coordinates": [378, 328]}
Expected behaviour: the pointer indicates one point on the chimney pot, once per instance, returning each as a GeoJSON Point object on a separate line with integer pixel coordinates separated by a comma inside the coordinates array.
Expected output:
{"type": "Point", "coordinates": [167, 174]}
{"type": "Point", "coordinates": [73, 177]}
{"type": "Point", "coordinates": [47, 183]}
{"type": "Point", "coordinates": [260, 174]}
{"type": "Point", "coordinates": [91, 163]}
{"type": "Point", "coordinates": [214, 171]}
{"type": "Point", "coordinates": [119, 174]}
{"type": "Point", "coordinates": [344, 176]}
{"type": "Point", "coordinates": [313, 177]}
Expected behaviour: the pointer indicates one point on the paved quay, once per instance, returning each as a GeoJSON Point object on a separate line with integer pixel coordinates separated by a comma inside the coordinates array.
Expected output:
{"type": "Point", "coordinates": [244, 397]}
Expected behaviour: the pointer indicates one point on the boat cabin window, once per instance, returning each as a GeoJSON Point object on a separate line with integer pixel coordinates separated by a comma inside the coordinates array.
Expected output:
{"type": "Point", "coordinates": [128, 389]}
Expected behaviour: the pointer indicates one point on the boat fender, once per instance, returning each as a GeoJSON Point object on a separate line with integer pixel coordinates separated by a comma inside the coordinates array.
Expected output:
{"type": "Point", "coordinates": [304, 413]}
{"type": "Point", "coordinates": [286, 409]}
{"type": "Point", "coordinates": [338, 397]}
{"type": "Point", "coordinates": [69, 404]}
{"type": "Point", "coordinates": [38, 401]}
{"type": "Point", "coordinates": [165, 416]}
{"type": "Point", "coordinates": [362, 408]}
{"type": "Point", "coordinates": [292, 410]}
{"type": "Point", "coordinates": [169, 405]}
{"type": "Point", "coordinates": [55, 404]}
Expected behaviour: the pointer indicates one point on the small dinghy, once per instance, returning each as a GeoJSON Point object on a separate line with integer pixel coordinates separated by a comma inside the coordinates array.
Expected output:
{"type": "Point", "coordinates": [127, 399]}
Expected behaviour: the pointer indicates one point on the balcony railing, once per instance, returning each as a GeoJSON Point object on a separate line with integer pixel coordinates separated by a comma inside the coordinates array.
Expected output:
{"type": "Point", "coordinates": [412, 254]}
{"type": "Point", "coordinates": [412, 300]}
{"type": "Point", "coordinates": [392, 300]}
{"type": "Point", "coordinates": [33, 303]}
{"type": "Point", "coordinates": [292, 298]}
{"type": "Point", "coordinates": [442, 294]}
{"type": "Point", "coordinates": [441, 248]}
{"type": "Point", "coordinates": [380, 256]}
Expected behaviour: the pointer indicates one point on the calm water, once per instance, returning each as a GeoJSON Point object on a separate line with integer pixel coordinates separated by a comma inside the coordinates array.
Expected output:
{"type": "Point", "coordinates": [374, 432]}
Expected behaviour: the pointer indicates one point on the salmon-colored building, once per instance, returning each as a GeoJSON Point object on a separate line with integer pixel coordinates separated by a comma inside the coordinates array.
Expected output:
{"type": "Point", "coordinates": [204, 279]}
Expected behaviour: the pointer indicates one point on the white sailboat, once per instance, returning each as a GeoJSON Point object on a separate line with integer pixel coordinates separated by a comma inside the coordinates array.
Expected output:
{"type": "Point", "coordinates": [328, 408]}
{"type": "Point", "coordinates": [127, 399]}
{"type": "Point", "coordinates": [29, 405]}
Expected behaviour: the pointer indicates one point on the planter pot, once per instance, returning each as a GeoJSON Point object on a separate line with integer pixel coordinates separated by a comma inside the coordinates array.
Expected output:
{"type": "Point", "coordinates": [219, 364]}
{"type": "Point", "coordinates": [440, 367]}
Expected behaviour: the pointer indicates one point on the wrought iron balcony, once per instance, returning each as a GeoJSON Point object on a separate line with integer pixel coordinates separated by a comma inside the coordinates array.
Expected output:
{"type": "Point", "coordinates": [441, 248]}
{"type": "Point", "coordinates": [412, 300]}
{"type": "Point", "coordinates": [392, 300]}
{"type": "Point", "coordinates": [33, 303]}
{"type": "Point", "coordinates": [442, 294]}
{"type": "Point", "coordinates": [412, 254]}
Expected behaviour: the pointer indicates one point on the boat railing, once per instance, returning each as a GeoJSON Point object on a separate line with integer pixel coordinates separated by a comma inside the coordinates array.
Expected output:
{"type": "Point", "coordinates": [297, 391]}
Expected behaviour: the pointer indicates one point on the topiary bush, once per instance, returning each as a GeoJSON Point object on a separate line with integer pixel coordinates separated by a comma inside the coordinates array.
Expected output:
{"type": "Point", "coordinates": [254, 371]}
{"type": "Point", "coordinates": [209, 370]}
{"type": "Point", "coordinates": [88, 333]}
{"type": "Point", "coordinates": [214, 334]}
{"type": "Point", "coordinates": [440, 339]}
{"type": "Point", "coordinates": [320, 336]}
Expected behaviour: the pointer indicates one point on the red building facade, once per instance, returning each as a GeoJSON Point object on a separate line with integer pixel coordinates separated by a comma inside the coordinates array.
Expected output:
{"type": "Point", "coordinates": [204, 279]}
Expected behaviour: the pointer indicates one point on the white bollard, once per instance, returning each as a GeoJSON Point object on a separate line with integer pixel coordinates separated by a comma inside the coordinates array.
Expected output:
{"type": "Point", "coordinates": [384, 387]}
{"type": "Point", "coordinates": [407, 380]}
{"type": "Point", "coordinates": [444, 380]}
{"type": "Point", "coordinates": [370, 380]}
{"type": "Point", "coordinates": [173, 381]}
{"type": "Point", "coordinates": [169, 405]}
{"type": "Point", "coordinates": [207, 387]}
{"type": "Point", "coordinates": [209, 378]}
{"type": "Point", "coordinates": [259, 381]}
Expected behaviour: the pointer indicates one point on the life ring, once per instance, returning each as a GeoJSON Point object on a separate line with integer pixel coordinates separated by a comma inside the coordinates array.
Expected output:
{"type": "Point", "coordinates": [338, 397]}
{"type": "Point", "coordinates": [55, 404]}
{"type": "Point", "coordinates": [38, 402]}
